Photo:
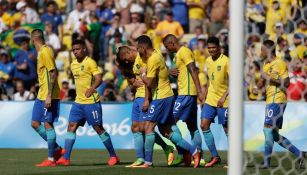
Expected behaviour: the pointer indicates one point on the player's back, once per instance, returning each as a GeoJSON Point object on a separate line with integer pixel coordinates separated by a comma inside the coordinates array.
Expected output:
{"type": "Point", "coordinates": [156, 68]}
{"type": "Point", "coordinates": [84, 73]}
{"type": "Point", "coordinates": [186, 85]}
{"type": "Point", "coordinates": [46, 63]}
{"type": "Point", "coordinates": [277, 69]}
{"type": "Point", "coordinates": [218, 74]}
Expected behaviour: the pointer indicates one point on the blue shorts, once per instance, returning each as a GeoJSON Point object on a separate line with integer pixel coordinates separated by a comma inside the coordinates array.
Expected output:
{"type": "Point", "coordinates": [137, 114]}
{"type": "Point", "coordinates": [90, 113]}
{"type": "Point", "coordinates": [41, 114]}
{"type": "Point", "coordinates": [209, 112]}
{"type": "Point", "coordinates": [185, 108]}
{"type": "Point", "coordinates": [161, 111]}
{"type": "Point", "coordinates": [274, 114]}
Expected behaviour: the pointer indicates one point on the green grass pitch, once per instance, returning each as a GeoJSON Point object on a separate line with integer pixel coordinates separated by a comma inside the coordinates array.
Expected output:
{"type": "Point", "coordinates": [22, 161]}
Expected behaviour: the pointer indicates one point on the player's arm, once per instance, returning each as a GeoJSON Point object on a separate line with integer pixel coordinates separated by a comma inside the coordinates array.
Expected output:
{"type": "Point", "coordinates": [49, 63]}
{"type": "Point", "coordinates": [284, 82]}
{"type": "Point", "coordinates": [194, 72]}
{"type": "Point", "coordinates": [147, 99]}
{"type": "Point", "coordinates": [97, 78]}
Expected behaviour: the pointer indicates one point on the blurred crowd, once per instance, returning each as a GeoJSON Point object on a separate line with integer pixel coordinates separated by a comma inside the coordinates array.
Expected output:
{"type": "Point", "coordinates": [284, 22]}
{"type": "Point", "coordinates": [108, 24]}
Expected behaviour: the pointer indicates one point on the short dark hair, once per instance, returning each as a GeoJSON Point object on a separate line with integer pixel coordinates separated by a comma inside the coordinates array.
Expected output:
{"type": "Point", "coordinates": [270, 45]}
{"type": "Point", "coordinates": [38, 33]}
{"type": "Point", "coordinates": [280, 40]}
{"type": "Point", "coordinates": [78, 41]}
{"type": "Point", "coordinates": [257, 64]}
{"type": "Point", "coordinates": [144, 39]}
{"type": "Point", "coordinates": [120, 51]}
{"type": "Point", "coordinates": [169, 37]}
{"type": "Point", "coordinates": [51, 3]}
{"type": "Point", "coordinates": [213, 40]}
{"type": "Point", "coordinates": [80, 1]}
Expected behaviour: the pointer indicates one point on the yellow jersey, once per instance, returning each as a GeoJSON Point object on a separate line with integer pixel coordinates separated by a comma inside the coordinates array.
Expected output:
{"type": "Point", "coordinates": [277, 69]}
{"type": "Point", "coordinates": [156, 39]}
{"type": "Point", "coordinates": [138, 64]}
{"type": "Point", "coordinates": [84, 73]}
{"type": "Point", "coordinates": [183, 57]}
{"type": "Point", "coordinates": [46, 63]}
{"type": "Point", "coordinates": [174, 28]}
{"type": "Point", "coordinates": [218, 73]}
{"type": "Point", "coordinates": [196, 12]}
{"type": "Point", "coordinates": [156, 69]}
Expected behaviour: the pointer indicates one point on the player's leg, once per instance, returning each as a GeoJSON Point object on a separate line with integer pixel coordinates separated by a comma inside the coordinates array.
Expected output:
{"type": "Point", "coordinates": [93, 113]}
{"type": "Point", "coordinates": [37, 117]}
{"type": "Point", "coordinates": [169, 129]}
{"type": "Point", "coordinates": [137, 129]}
{"type": "Point", "coordinates": [76, 119]}
{"type": "Point", "coordinates": [69, 142]}
{"type": "Point", "coordinates": [51, 115]}
{"type": "Point", "coordinates": [168, 149]}
{"type": "Point", "coordinates": [222, 114]}
{"type": "Point", "coordinates": [268, 128]}
{"type": "Point", "coordinates": [207, 116]}
{"type": "Point", "coordinates": [283, 141]}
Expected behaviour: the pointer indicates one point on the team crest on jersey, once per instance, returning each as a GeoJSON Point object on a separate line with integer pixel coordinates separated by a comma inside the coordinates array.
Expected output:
{"type": "Point", "coordinates": [138, 66]}
{"type": "Point", "coordinates": [219, 68]}
{"type": "Point", "coordinates": [82, 67]}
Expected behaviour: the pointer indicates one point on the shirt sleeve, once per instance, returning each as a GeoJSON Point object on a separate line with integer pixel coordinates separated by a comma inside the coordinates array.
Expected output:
{"type": "Point", "coordinates": [180, 30]}
{"type": "Point", "coordinates": [94, 68]}
{"type": "Point", "coordinates": [187, 56]}
{"type": "Point", "coordinates": [152, 67]}
{"type": "Point", "coordinates": [48, 58]}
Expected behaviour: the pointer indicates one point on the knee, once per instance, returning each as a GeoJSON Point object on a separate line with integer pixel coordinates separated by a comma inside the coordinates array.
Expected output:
{"type": "Point", "coordinates": [204, 126]}
{"type": "Point", "coordinates": [35, 124]}
{"type": "Point", "coordinates": [72, 127]}
{"type": "Point", "coordinates": [99, 129]}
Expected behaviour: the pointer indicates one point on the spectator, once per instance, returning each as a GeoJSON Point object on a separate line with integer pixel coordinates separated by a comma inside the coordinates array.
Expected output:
{"type": "Point", "coordinates": [151, 32]}
{"type": "Point", "coordinates": [116, 42]}
{"type": "Point", "coordinates": [64, 92]}
{"type": "Point", "coordinates": [116, 27]}
{"type": "Point", "coordinates": [180, 11]}
{"type": "Point", "coordinates": [278, 32]}
{"type": "Point", "coordinates": [29, 15]}
{"type": "Point", "coordinates": [25, 59]}
{"type": "Point", "coordinates": [298, 49]}
{"type": "Point", "coordinates": [22, 94]}
{"type": "Point", "coordinates": [282, 49]}
{"type": "Point", "coordinates": [135, 28]}
{"type": "Point", "coordinates": [196, 13]}
{"type": "Point", "coordinates": [93, 29]}
{"type": "Point", "coordinates": [160, 7]}
{"type": "Point", "coordinates": [76, 17]}
{"type": "Point", "coordinates": [193, 42]}
{"type": "Point", "coordinates": [54, 18]}
{"type": "Point", "coordinates": [169, 26]}
{"type": "Point", "coordinates": [218, 15]}
{"type": "Point", "coordinates": [3, 25]}
{"type": "Point", "coordinates": [8, 68]}
{"type": "Point", "coordinates": [302, 27]}
{"type": "Point", "coordinates": [274, 15]}
{"type": "Point", "coordinates": [255, 74]}
{"type": "Point", "coordinates": [51, 38]}
{"type": "Point", "coordinates": [255, 16]}
{"type": "Point", "coordinates": [296, 89]}
{"type": "Point", "coordinates": [105, 15]}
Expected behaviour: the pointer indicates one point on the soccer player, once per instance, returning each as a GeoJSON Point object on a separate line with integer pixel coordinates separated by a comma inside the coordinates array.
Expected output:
{"type": "Point", "coordinates": [156, 79]}
{"type": "Point", "coordinates": [216, 96]}
{"type": "Point", "coordinates": [275, 79]}
{"type": "Point", "coordinates": [189, 88]}
{"type": "Point", "coordinates": [47, 105]}
{"type": "Point", "coordinates": [87, 107]}
{"type": "Point", "coordinates": [129, 62]}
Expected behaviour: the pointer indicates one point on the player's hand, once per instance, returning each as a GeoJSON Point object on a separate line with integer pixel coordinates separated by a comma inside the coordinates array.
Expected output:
{"type": "Point", "coordinates": [173, 72]}
{"type": "Point", "coordinates": [201, 97]}
{"type": "Point", "coordinates": [48, 102]}
{"type": "Point", "coordinates": [220, 103]}
{"type": "Point", "coordinates": [145, 105]}
{"type": "Point", "coordinates": [89, 92]}
{"type": "Point", "coordinates": [138, 83]}
{"type": "Point", "coordinates": [143, 70]}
